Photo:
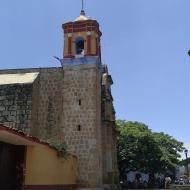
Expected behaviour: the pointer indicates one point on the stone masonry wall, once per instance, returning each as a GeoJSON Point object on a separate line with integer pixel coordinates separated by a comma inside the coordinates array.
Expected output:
{"type": "Point", "coordinates": [110, 168]}
{"type": "Point", "coordinates": [56, 113]}
{"type": "Point", "coordinates": [46, 105]}
{"type": "Point", "coordinates": [16, 105]}
{"type": "Point", "coordinates": [82, 121]}
{"type": "Point", "coordinates": [65, 103]}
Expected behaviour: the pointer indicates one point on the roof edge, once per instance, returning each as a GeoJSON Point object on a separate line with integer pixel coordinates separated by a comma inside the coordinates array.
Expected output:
{"type": "Point", "coordinates": [28, 137]}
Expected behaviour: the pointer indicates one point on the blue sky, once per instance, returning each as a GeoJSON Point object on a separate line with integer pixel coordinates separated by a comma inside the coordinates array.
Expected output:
{"type": "Point", "coordinates": [144, 44]}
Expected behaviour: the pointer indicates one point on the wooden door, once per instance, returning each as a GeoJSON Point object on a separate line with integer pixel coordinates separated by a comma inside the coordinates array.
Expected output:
{"type": "Point", "coordinates": [11, 166]}
{"type": "Point", "coordinates": [7, 167]}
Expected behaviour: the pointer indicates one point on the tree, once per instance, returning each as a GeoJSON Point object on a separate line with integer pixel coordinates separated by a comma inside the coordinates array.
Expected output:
{"type": "Point", "coordinates": [170, 149]}
{"type": "Point", "coordinates": [141, 149]}
{"type": "Point", "coordinates": [183, 162]}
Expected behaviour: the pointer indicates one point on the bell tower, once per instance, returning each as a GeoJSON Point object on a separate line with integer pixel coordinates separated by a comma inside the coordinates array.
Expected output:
{"type": "Point", "coordinates": [81, 38]}
{"type": "Point", "coordinates": [87, 115]}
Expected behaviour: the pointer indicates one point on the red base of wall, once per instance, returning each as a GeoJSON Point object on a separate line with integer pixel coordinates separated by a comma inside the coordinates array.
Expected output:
{"type": "Point", "coordinates": [50, 187]}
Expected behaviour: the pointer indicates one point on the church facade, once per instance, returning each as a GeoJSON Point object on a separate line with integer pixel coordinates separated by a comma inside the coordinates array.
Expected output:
{"type": "Point", "coordinates": [72, 103]}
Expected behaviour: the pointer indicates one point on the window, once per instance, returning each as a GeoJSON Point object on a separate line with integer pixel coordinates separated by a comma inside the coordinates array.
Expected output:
{"type": "Point", "coordinates": [79, 102]}
{"type": "Point", "coordinates": [79, 127]}
{"type": "Point", "coordinates": [79, 46]}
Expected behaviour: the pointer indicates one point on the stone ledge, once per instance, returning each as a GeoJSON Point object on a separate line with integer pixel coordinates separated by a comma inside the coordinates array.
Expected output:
{"type": "Point", "coordinates": [181, 187]}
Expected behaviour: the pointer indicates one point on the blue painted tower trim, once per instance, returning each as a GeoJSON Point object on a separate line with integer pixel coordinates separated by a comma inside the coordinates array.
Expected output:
{"type": "Point", "coordinates": [81, 60]}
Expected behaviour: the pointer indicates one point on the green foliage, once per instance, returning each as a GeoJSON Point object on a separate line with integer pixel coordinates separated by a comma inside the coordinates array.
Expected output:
{"type": "Point", "coordinates": [60, 146]}
{"type": "Point", "coordinates": [184, 162]}
{"type": "Point", "coordinates": [170, 149]}
{"type": "Point", "coordinates": [141, 149]}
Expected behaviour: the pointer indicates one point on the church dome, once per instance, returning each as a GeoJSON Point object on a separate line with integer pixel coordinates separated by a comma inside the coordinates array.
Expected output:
{"type": "Point", "coordinates": [82, 16]}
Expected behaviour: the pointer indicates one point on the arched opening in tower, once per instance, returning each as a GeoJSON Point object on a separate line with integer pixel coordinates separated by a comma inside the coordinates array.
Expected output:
{"type": "Point", "coordinates": [79, 46]}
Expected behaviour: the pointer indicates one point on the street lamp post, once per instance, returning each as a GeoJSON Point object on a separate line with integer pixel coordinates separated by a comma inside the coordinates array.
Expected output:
{"type": "Point", "coordinates": [187, 169]}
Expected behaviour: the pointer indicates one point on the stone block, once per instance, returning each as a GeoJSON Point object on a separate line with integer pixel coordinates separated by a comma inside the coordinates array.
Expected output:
{"type": "Point", "coordinates": [2, 108]}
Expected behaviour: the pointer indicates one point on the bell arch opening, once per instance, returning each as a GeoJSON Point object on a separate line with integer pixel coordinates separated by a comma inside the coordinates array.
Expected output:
{"type": "Point", "coordinates": [79, 44]}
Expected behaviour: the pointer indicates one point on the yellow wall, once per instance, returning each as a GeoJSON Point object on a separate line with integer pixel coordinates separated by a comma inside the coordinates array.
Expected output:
{"type": "Point", "coordinates": [44, 167]}
{"type": "Point", "coordinates": [84, 36]}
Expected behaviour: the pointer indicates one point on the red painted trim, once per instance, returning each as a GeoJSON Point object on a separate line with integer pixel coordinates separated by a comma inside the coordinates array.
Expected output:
{"type": "Point", "coordinates": [82, 26]}
{"type": "Point", "coordinates": [88, 44]}
{"type": "Point", "coordinates": [97, 46]}
{"type": "Point", "coordinates": [50, 187]}
{"type": "Point", "coordinates": [82, 30]}
{"type": "Point", "coordinates": [70, 46]}
{"type": "Point", "coordinates": [81, 23]}
{"type": "Point", "coordinates": [24, 169]}
{"type": "Point", "coordinates": [22, 135]}
{"type": "Point", "coordinates": [26, 136]}
{"type": "Point", "coordinates": [68, 31]}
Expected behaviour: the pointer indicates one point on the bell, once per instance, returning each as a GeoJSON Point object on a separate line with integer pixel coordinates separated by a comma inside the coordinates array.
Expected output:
{"type": "Point", "coordinates": [189, 52]}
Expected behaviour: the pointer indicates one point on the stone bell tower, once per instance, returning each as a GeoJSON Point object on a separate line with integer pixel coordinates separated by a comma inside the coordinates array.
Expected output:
{"type": "Point", "coordinates": [82, 38]}
{"type": "Point", "coordinates": [88, 115]}
{"type": "Point", "coordinates": [72, 103]}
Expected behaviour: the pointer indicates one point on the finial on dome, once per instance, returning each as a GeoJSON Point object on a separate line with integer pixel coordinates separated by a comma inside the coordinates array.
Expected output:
{"type": "Point", "coordinates": [82, 16]}
{"type": "Point", "coordinates": [82, 12]}
{"type": "Point", "coordinates": [82, 5]}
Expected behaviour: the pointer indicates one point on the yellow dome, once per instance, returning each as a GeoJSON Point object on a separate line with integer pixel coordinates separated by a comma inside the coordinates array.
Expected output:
{"type": "Point", "coordinates": [82, 16]}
